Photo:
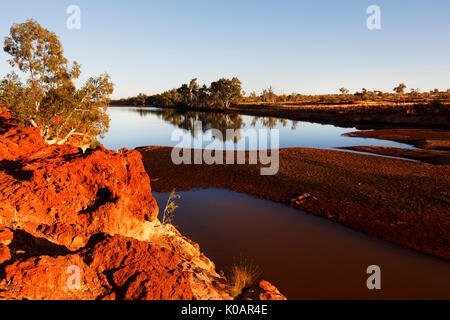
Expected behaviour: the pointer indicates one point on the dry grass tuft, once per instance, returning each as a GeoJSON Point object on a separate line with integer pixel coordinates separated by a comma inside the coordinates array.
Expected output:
{"type": "Point", "coordinates": [168, 213]}
{"type": "Point", "coordinates": [243, 275]}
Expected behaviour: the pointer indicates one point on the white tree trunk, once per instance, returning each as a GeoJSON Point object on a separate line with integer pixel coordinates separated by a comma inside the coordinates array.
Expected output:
{"type": "Point", "coordinates": [61, 142]}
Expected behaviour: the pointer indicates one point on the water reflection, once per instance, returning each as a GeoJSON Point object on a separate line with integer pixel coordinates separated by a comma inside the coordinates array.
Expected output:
{"type": "Point", "coordinates": [185, 120]}
{"type": "Point", "coordinates": [133, 127]}
{"type": "Point", "coordinates": [271, 123]}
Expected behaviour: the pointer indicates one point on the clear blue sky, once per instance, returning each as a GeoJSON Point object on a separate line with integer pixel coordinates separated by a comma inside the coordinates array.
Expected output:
{"type": "Point", "coordinates": [303, 46]}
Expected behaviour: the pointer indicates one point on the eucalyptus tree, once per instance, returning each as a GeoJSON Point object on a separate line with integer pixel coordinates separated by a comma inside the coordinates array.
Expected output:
{"type": "Point", "coordinates": [400, 89]}
{"type": "Point", "coordinates": [225, 92]}
{"type": "Point", "coordinates": [141, 99]}
{"type": "Point", "coordinates": [48, 99]}
{"type": "Point", "coordinates": [344, 91]}
{"type": "Point", "coordinates": [189, 93]}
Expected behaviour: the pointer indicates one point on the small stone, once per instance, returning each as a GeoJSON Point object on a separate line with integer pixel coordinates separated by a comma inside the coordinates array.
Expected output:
{"type": "Point", "coordinates": [299, 200]}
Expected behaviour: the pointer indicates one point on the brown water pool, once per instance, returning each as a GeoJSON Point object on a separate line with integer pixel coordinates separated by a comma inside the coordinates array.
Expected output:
{"type": "Point", "coordinates": [306, 257]}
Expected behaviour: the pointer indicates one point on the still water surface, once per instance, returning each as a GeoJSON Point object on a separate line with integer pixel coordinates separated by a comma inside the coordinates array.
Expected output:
{"type": "Point", "coordinates": [133, 127]}
{"type": "Point", "coordinates": [305, 256]}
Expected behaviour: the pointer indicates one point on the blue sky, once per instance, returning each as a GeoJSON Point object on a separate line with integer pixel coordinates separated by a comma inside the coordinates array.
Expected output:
{"type": "Point", "coordinates": [303, 46]}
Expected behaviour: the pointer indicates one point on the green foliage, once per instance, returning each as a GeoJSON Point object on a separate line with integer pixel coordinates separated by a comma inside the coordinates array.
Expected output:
{"type": "Point", "coordinates": [225, 92]}
{"type": "Point", "coordinates": [49, 99]}
{"type": "Point", "coordinates": [165, 99]}
{"type": "Point", "coordinates": [38, 52]}
{"type": "Point", "coordinates": [189, 94]}
{"type": "Point", "coordinates": [17, 97]}
{"type": "Point", "coordinates": [220, 94]}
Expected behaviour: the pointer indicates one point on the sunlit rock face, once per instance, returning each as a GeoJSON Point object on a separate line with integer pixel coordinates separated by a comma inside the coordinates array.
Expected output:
{"type": "Point", "coordinates": [65, 196]}
{"type": "Point", "coordinates": [109, 268]}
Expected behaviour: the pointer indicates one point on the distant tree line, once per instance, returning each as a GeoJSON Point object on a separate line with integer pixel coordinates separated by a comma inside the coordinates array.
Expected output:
{"type": "Point", "coordinates": [225, 92]}
{"type": "Point", "coordinates": [220, 94]}
{"type": "Point", "coordinates": [399, 94]}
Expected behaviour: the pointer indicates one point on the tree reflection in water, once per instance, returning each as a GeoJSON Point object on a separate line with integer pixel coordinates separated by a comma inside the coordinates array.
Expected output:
{"type": "Point", "coordinates": [185, 120]}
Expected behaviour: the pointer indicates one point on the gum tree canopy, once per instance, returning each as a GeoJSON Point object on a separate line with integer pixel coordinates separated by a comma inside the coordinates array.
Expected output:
{"type": "Point", "coordinates": [49, 99]}
{"type": "Point", "coordinates": [225, 92]}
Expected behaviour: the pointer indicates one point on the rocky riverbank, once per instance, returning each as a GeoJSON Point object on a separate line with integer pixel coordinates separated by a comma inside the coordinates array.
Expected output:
{"type": "Point", "coordinates": [65, 213]}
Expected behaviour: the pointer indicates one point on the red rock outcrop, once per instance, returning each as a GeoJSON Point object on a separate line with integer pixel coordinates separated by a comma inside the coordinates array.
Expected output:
{"type": "Point", "coordinates": [113, 268]}
{"type": "Point", "coordinates": [59, 193]}
{"type": "Point", "coordinates": [6, 237]}
{"type": "Point", "coordinates": [264, 290]}
{"type": "Point", "coordinates": [138, 270]}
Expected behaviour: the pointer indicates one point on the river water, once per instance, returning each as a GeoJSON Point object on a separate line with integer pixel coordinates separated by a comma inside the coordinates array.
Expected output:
{"type": "Point", "coordinates": [133, 127]}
